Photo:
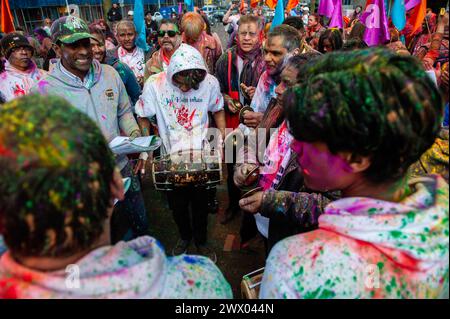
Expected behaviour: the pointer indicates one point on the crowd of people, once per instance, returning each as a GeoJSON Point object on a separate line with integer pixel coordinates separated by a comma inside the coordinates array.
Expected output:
{"type": "Point", "coordinates": [342, 151]}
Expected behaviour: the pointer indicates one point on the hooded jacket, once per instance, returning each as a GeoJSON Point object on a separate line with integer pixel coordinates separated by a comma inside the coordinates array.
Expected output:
{"type": "Point", "coordinates": [182, 117]}
{"type": "Point", "coordinates": [134, 269]}
{"type": "Point", "coordinates": [128, 78]}
{"type": "Point", "coordinates": [15, 83]}
{"type": "Point", "coordinates": [368, 248]}
{"type": "Point", "coordinates": [104, 99]}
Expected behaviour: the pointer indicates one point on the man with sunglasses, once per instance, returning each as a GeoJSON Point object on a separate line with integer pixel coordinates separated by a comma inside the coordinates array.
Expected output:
{"type": "Point", "coordinates": [181, 98]}
{"type": "Point", "coordinates": [21, 73]}
{"type": "Point", "coordinates": [169, 39]}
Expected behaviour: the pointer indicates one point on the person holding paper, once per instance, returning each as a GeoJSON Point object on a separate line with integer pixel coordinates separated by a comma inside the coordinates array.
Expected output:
{"type": "Point", "coordinates": [181, 98]}
{"type": "Point", "coordinates": [98, 91]}
{"type": "Point", "coordinates": [56, 211]}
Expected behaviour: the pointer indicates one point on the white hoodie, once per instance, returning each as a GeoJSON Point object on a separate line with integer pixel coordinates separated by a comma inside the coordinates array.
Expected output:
{"type": "Point", "coordinates": [368, 248]}
{"type": "Point", "coordinates": [134, 269]}
{"type": "Point", "coordinates": [15, 83]}
{"type": "Point", "coordinates": [182, 117]}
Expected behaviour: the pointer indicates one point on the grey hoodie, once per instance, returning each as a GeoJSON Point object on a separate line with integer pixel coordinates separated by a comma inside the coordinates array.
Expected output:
{"type": "Point", "coordinates": [104, 100]}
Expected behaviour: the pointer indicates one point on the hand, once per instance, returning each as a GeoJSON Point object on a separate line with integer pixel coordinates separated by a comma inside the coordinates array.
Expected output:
{"type": "Point", "coordinates": [427, 64]}
{"type": "Point", "coordinates": [140, 166]}
{"type": "Point", "coordinates": [233, 106]}
{"type": "Point", "coordinates": [249, 91]}
{"type": "Point", "coordinates": [241, 173]}
{"type": "Point", "coordinates": [252, 119]}
{"type": "Point", "coordinates": [252, 204]}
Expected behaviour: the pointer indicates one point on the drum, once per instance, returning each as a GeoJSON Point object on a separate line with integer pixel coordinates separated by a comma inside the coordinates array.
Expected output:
{"type": "Point", "coordinates": [251, 284]}
{"type": "Point", "coordinates": [187, 168]}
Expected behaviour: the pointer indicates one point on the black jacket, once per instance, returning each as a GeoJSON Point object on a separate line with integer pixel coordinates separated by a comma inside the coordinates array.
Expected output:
{"type": "Point", "coordinates": [114, 15]}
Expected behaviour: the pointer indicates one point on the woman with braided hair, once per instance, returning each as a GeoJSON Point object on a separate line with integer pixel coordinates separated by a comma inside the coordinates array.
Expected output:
{"type": "Point", "coordinates": [359, 120]}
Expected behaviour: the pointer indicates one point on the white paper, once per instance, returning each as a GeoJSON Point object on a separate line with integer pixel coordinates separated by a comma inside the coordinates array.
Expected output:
{"type": "Point", "coordinates": [432, 76]}
{"type": "Point", "coordinates": [123, 145]}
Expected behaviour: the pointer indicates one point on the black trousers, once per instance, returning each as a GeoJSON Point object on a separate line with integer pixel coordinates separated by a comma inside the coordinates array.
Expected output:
{"type": "Point", "coordinates": [234, 193]}
{"type": "Point", "coordinates": [191, 225]}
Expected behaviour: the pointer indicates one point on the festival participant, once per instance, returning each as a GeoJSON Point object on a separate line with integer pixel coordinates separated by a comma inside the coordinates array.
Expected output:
{"type": "Point", "coordinates": [388, 236]}
{"type": "Point", "coordinates": [194, 34]}
{"type": "Point", "coordinates": [47, 25]}
{"type": "Point", "coordinates": [314, 30]}
{"type": "Point", "coordinates": [282, 43]}
{"type": "Point", "coordinates": [169, 39]}
{"type": "Point", "coordinates": [395, 44]}
{"type": "Point", "coordinates": [110, 39]}
{"type": "Point", "coordinates": [181, 98]}
{"type": "Point", "coordinates": [45, 49]}
{"type": "Point", "coordinates": [20, 72]}
{"type": "Point", "coordinates": [97, 90]}
{"type": "Point", "coordinates": [114, 13]}
{"type": "Point", "coordinates": [127, 76]}
{"type": "Point", "coordinates": [127, 51]}
{"type": "Point", "coordinates": [232, 21]}
{"type": "Point", "coordinates": [55, 216]}
{"type": "Point", "coordinates": [329, 41]}
{"type": "Point", "coordinates": [283, 207]}
{"type": "Point", "coordinates": [238, 71]}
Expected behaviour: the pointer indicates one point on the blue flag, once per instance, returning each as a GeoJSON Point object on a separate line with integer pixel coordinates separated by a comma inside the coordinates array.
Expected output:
{"type": "Point", "coordinates": [279, 15]}
{"type": "Point", "coordinates": [189, 5]}
{"type": "Point", "coordinates": [139, 22]}
{"type": "Point", "coordinates": [398, 14]}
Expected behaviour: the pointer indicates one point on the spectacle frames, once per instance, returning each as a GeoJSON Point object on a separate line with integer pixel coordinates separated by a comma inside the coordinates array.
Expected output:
{"type": "Point", "coordinates": [170, 33]}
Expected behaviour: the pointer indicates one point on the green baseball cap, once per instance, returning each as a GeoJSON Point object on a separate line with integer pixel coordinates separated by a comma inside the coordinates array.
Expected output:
{"type": "Point", "coordinates": [69, 29]}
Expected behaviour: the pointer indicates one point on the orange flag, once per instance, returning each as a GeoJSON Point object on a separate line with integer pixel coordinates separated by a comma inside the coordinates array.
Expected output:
{"type": "Point", "coordinates": [254, 3]}
{"type": "Point", "coordinates": [291, 4]}
{"type": "Point", "coordinates": [6, 18]}
{"type": "Point", "coordinates": [271, 3]}
{"type": "Point", "coordinates": [417, 15]}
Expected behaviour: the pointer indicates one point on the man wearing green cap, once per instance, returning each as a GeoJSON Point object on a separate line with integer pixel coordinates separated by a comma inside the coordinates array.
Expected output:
{"type": "Point", "coordinates": [97, 90]}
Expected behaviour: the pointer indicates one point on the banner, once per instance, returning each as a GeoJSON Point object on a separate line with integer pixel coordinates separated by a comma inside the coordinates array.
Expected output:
{"type": "Point", "coordinates": [7, 22]}
{"type": "Point", "coordinates": [336, 16]}
{"type": "Point", "coordinates": [398, 14]}
{"type": "Point", "coordinates": [139, 22]}
{"type": "Point", "coordinates": [375, 20]}
{"type": "Point", "coordinates": [418, 15]}
{"type": "Point", "coordinates": [279, 15]}
{"type": "Point", "coordinates": [326, 8]}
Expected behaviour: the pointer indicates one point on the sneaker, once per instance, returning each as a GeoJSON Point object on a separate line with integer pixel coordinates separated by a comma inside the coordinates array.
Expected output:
{"type": "Point", "coordinates": [181, 247]}
{"type": "Point", "coordinates": [229, 215]}
{"type": "Point", "coordinates": [206, 251]}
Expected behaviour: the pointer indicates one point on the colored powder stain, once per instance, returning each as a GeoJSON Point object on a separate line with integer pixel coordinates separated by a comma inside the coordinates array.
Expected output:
{"type": "Point", "coordinates": [411, 216]}
{"type": "Point", "coordinates": [190, 260]}
{"type": "Point", "coordinates": [190, 282]}
{"type": "Point", "coordinates": [372, 211]}
{"type": "Point", "coordinates": [103, 117]}
{"type": "Point", "coordinates": [396, 234]}
{"type": "Point", "coordinates": [380, 265]}
{"type": "Point", "coordinates": [198, 284]}
{"type": "Point", "coordinates": [324, 294]}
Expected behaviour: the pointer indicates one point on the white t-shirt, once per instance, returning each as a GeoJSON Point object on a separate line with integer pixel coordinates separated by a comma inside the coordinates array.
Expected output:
{"type": "Point", "coordinates": [135, 60]}
{"type": "Point", "coordinates": [182, 117]}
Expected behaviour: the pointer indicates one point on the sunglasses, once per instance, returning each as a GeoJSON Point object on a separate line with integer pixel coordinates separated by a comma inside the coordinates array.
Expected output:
{"type": "Point", "coordinates": [170, 33]}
